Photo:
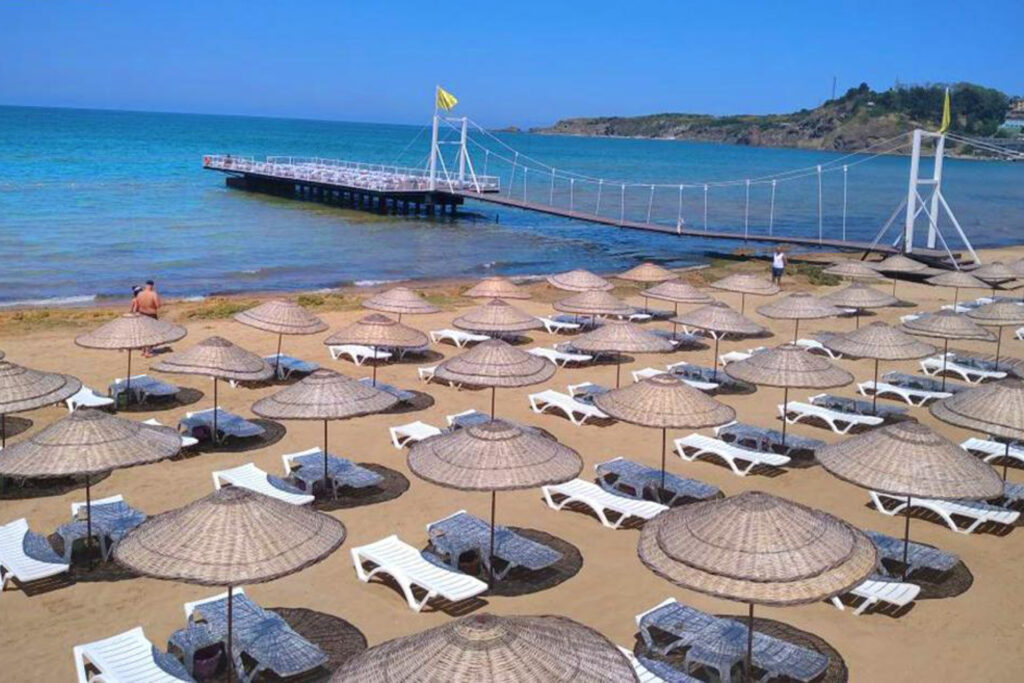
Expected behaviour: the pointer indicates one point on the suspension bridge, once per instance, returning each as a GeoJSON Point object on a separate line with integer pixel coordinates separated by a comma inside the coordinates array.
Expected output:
{"type": "Point", "coordinates": [446, 181]}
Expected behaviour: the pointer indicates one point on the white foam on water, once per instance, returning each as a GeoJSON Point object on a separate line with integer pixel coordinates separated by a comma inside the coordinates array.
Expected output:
{"type": "Point", "coordinates": [372, 283]}
{"type": "Point", "coordinates": [55, 301]}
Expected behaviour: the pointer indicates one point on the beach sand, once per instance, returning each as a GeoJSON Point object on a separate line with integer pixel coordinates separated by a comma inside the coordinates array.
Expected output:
{"type": "Point", "coordinates": [974, 636]}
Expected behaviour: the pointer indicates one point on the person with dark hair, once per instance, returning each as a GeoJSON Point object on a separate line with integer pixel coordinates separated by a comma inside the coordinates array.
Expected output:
{"type": "Point", "coordinates": [147, 302]}
{"type": "Point", "coordinates": [779, 262]}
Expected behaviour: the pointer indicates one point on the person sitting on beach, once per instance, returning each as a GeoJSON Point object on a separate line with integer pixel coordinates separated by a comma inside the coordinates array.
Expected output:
{"type": "Point", "coordinates": [147, 302]}
{"type": "Point", "coordinates": [779, 262]}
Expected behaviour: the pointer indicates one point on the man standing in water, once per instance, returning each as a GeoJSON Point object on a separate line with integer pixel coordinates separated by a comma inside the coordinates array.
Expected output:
{"type": "Point", "coordinates": [779, 262]}
{"type": "Point", "coordinates": [147, 302]}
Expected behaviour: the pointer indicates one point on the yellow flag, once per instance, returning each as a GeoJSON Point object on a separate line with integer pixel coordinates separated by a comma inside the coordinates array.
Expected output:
{"type": "Point", "coordinates": [445, 100]}
{"type": "Point", "coordinates": [946, 116]}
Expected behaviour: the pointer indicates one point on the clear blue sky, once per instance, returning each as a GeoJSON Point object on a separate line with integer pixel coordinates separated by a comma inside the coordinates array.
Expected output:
{"type": "Point", "coordinates": [524, 63]}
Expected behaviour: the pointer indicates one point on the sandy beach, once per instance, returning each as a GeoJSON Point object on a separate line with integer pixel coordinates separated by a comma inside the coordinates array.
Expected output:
{"type": "Point", "coordinates": [975, 635]}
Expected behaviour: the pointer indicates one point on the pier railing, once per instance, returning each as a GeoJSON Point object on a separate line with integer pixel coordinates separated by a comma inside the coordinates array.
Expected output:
{"type": "Point", "coordinates": [376, 177]}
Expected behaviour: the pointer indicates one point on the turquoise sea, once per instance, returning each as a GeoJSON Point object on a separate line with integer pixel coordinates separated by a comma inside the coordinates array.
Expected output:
{"type": "Point", "coordinates": [92, 202]}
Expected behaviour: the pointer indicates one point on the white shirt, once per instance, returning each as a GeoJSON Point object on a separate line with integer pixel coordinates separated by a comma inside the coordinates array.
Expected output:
{"type": "Point", "coordinates": [779, 260]}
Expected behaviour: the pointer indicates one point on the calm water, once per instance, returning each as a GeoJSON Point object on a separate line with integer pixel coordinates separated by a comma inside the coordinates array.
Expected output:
{"type": "Point", "coordinates": [94, 201]}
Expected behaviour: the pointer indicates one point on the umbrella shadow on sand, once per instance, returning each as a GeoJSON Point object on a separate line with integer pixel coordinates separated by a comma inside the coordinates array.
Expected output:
{"type": "Point", "coordinates": [186, 396]}
{"type": "Point", "coordinates": [14, 425]}
{"type": "Point", "coordinates": [419, 401]}
{"type": "Point", "coordinates": [425, 357]}
{"type": "Point", "coordinates": [394, 485]}
{"type": "Point", "coordinates": [12, 489]}
{"type": "Point", "coordinates": [272, 433]}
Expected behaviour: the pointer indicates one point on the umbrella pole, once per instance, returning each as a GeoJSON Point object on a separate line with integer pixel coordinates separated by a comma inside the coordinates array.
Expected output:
{"type": "Point", "coordinates": [490, 565]}
{"type": "Point", "coordinates": [231, 663]}
{"type": "Point", "coordinates": [618, 368]}
{"type": "Point", "coordinates": [277, 358]}
{"type": "Point", "coordinates": [874, 394]}
{"type": "Point", "coordinates": [945, 354]}
{"type": "Point", "coordinates": [796, 329]}
{"type": "Point", "coordinates": [785, 411]}
{"type": "Point", "coordinates": [325, 454]}
{"type": "Point", "coordinates": [743, 302]}
{"type": "Point", "coordinates": [664, 438]}
{"type": "Point", "coordinates": [748, 668]}
{"type": "Point", "coordinates": [857, 319]}
{"type": "Point", "coordinates": [3, 430]}
{"type": "Point", "coordinates": [494, 390]}
{"type": "Point", "coordinates": [906, 537]}
{"type": "Point", "coordinates": [956, 298]}
{"type": "Point", "coordinates": [894, 286]}
{"type": "Point", "coordinates": [375, 365]}
{"type": "Point", "coordinates": [714, 375]}
{"type": "Point", "coordinates": [127, 383]}
{"type": "Point", "coordinates": [215, 408]}
{"type": "Point", "coordinates": [88, 520]}
{"type": "Point", "coordinates": [999, 344]}
{"type": "Point", "coordinates": [1006, 460]}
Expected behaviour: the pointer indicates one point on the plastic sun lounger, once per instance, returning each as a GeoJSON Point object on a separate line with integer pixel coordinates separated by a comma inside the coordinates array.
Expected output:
{"type": "Point", "coordinates": [409, 569]}
{"type": "Point", "coordinates": [695, 445]}
{"type": "Point", "coordinates": [972, 375]}
{"type": "Point", "coordinates": [343, 472]}
{"type": "Point", "coordinates": [404, 435]}
{"type": "Point", "coordinates": [467, 418]}
{"type": "Point", "coordinates": [853, 406]}
{"type": "Point", "coordinates": [976, 513]}
{"type": "Point", "coordinates": [909, 317]}
{"type": "Point", "coordinates": [878, 590]}
{"type": "Point", "coordinates": [993, 450]}
{"type": "Point", "coordinates": [186, 441]}
{"type": "Point", "coordinates": [288, 365]}
{"type": "Point", "coordinates": [228, 424]}
{"type": "Point", "coordinates": [358, 353]}
{"type": "Point", "coordinates": [26, 556]}
{"type": "Point", "coordinates": [586, 391]}
{"type": "Point", "coordinates": [698, 374]}
{"type": "Point", "coordinates": [461, 532]}
{"type": "Point", "coordinates": [143, 387]}
{"type": "Point", "coordinates": [764, 439]}
{"type": "Point", "coordinates": [87, 398]}
{"type": "Point", "coordinates": [127, 658]}
{"type": "Point", "coordinates": [601, 502]}
{"type": "Point", "coordinates": [682, 622]}
{"type": "Point", "coordinates": [402, 395]}
{"type": "Point", "coordinates": [909, 395]}
{"type": "Point", "coordinates": [1019, 334]}
{"type": "Point", "coordinates": [426, 372]}
{"type": "Point", "coordinates": [815, 346]}
{"type": "Point", "coordinates": [112, 519]}
{"type": "Point", "coordinates": [921, 382]}
{"type": "Point", "coordinates": [558, 326]}
{"type": "Point", "coordinates": [639, 479]}
{"type": "Point", "coordinates": [253, 478]}
{"type": "Point", "coordinates": [641, 375]}
{"type": "Point", "coordinates": [833, 418]}
{"type": "Point", "coordinates": [569, 406]}
{"type": "Point", "coordinates": [457, 337]}
{"type": "Point", "coordinates": [654, 671]}
{"type": "Point", "coordinates": [560, 358]}
{"type": "Point", "coordinates": [734, 356]}
{"type": "Point", "coordinates": [919, 556]}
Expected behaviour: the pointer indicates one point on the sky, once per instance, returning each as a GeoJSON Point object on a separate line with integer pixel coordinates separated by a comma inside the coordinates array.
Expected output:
{"type": "Point", "coordinates": [519, 63]}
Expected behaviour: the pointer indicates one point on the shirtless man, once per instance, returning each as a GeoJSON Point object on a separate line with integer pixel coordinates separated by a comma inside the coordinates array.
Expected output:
{"type": "Point", "coordinates": [147, 302]}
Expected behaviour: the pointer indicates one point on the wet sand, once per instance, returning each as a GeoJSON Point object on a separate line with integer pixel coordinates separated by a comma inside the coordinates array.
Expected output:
{"type": "Point", "coordinates": [974, 636]}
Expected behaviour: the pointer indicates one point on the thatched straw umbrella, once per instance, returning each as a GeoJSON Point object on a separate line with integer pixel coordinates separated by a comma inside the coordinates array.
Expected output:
{"type": "Point", "coordinates": [859, 296]}
{"type": "Point", "coordinates": [645, 274]}
{"type": "Point", "coordinates": [485, 648]}
{"type": "Point", "coordinates": [879, 342]}
{"type": "Point", "coordinates": [496, 288]}
{"type": "Point", "coordinates": [376, 330]}
{"type": "Point", "coordinates": [218, 358]}
{"type": "Point", "coordinates": [232, 537]}
{"type": "Point", "coordinates": [281, 318]}
{"type": "Point", "coordinates": [129, 332]}
{"type": "Point", "coordinates": [593, 303]}
{"type": "Point", "coordinates": [664, 402]}
{"type": "Point", "coordinates": [853, 270]}
{"type": "Point", "coordinates": [957, 279]}
{"type": "Point", "coordinates": [87, 443]}
{"type": "Point", "coordinates": [1017, 267]}
{"type": "Point", "coordinates": [678, 292]}
{"type": "Point", "coordinates": [995, 274]}
{"type": "Point", "coordinates": [796, 307]}
{"type": "Point", "coordinates": [720, 320]}
{"type": "Point", "coordinates": [618, 337]}
{"type": "Point", "coordinates": [497, 317]}
{"type": "Point", "coordinates": [790, 367]}
{"type": "Point", "coordinates": [898, 264]}
{"type": "Point", "coordinates": [908, 459]}
{"type": "Point", "coordinates": [999, 315]}
{"type": "Point", "coordinates": [746, 283]}
{"type": "Point", "coordinates": [946, 325]}
{"type": "Point", "coordinates": [23, 389]}
{"type": "Point", "coordinates": [495, 363]}
{"type": "Point", "coordinates": [579, 281]}
{"type": "Point", "coordinates": [494, 456]}
{"type": "Point", "coordinates": [996, 409]}
{"type": "Point", "coordinates": [758, 549]}
{"type": "Point", "coordinates": [402, 301]}
{"type": "Point", "coordinates": [324, 395]}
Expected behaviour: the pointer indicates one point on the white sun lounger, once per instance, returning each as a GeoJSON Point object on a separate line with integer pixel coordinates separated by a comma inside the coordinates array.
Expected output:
{"type": "Point", "coordinates": [833, 418]}
{"type": "Point", "coordinates": [640, 375]}
{"type": "Point", "coordinates": [186, 440]}
{"type": "Point", "coordinates": [734, 356]}
{"type": "Point", "coordinates": [645, 675]}
{"type": "Point", "coordinates": [975, 512]}
{"type": "Point", "coordinates": [15, 564]}
{"type": "Point", "coordinates": [578, 412]}
{"type": "Point", "coordinates": [128, 657]}
{"type": "Point", "coordinates": [404, 435]}
{"type": "Point", "coordinates": [142, 388]}
{"type": "Point", "coordinates": [601, 502]}
{"type": "Point", "coordinates": [992, 450]}
{"type": "Point", "coordinates": [87, 398]}
{"type": "Point", "coordinates": [874, 591]}
{"type": "Point", "coordinates": [560, 358]}
{"type": "Point", "coordinates": [457, 337]}
{"type": "Point", "coordinates": [910, 317]}
{"type": "Point", "coordinates": [253, 478]}
{"type": "Point", "coordinates": [971, 375]}
{"type": "Point", "coordinates": [358, 353]}
{"type": "Point", "coordinates": [426, 372]}
{"type": "Point", "coordinates": [1019, 334]}
{"type": "Point", "coordinates": [408, 568]}
{"type": "Point", "coordinates": [558, 326]}
{"type": "Point", "coordinates": [695, 445]}
{"type": "Point", "coordinates": [914, 397]}
{"type": "Point", "coordinates": [810, 345]}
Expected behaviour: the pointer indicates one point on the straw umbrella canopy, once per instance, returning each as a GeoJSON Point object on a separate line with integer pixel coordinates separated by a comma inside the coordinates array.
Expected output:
{"type": "Point", "coordinates": [946, 325]}
{"type": "Point", "coordinates": [129, 332]}
{"type": "Point", "coordinates": [485, 648]}
{"type": "Point", "coordinates": [898, 264]}
{"type": "Point", "coordinates": [789, 367]}
{"type": "Point", "coordinates": [618, 337]}
{"type": "Point", "coordinates": [645, 274]}
{"type": "Point", "coordinates": [496, 288]}
{"type": "Point", "coordinates": [859, 296]}
{"type": "Point", "coordinates": [1017, 267]}
{"type": "Point", "coordinates": [994, 273]}
{"type": "Point", "coordinates": [594, 303]}
{"type": "Point", "coordinates": [494, 456]}
{"type": "Point", "coordinates": [999, 315]}
{"type": "Point", "coordinates": [231, 537]}
{"type": "Point", "coordinates": [23, 389]}
{"type": "Point", "coordinates": [495, 363]}
{"type": "Point", "coordinates": [908, 459]}
{"type": "Point", "coordinates": [879, 342]}
{"type": "Point", "coordinates": [497, 317]}
{"type": "Point", "coordinates": [664, 402]}
{"type": "Point", "coordinates": [746, 283]}
{"type": "Point", "coordinates": [324, 395]}
{"type": "Point", "coordinates": [87, 443]}
{"type": "Point", "coordinates": [957, 279]}
{"type": "Point", "coordinates": [996, 408]}
{"type": "Point", "coordinates": [796, 307]}
{"type": "Point", "coordinates": [281, 318]}
{"type": "Point", "coordinates": [720, 320]}
{"type": "Point", "coordinates": [579, 281]}
{"type": "Point", "coordinates": [853, 270]}
{"type": "Point", "coordinates": [678, 292]}
{"type": "Point", "coordinates": [218, 358]}
{"type": "Point", "coordinates": [758, 549]}
{"type": "Point", "coordinates": [402, 301]}
{"type": "Point", "coordinates": [376, 330]}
